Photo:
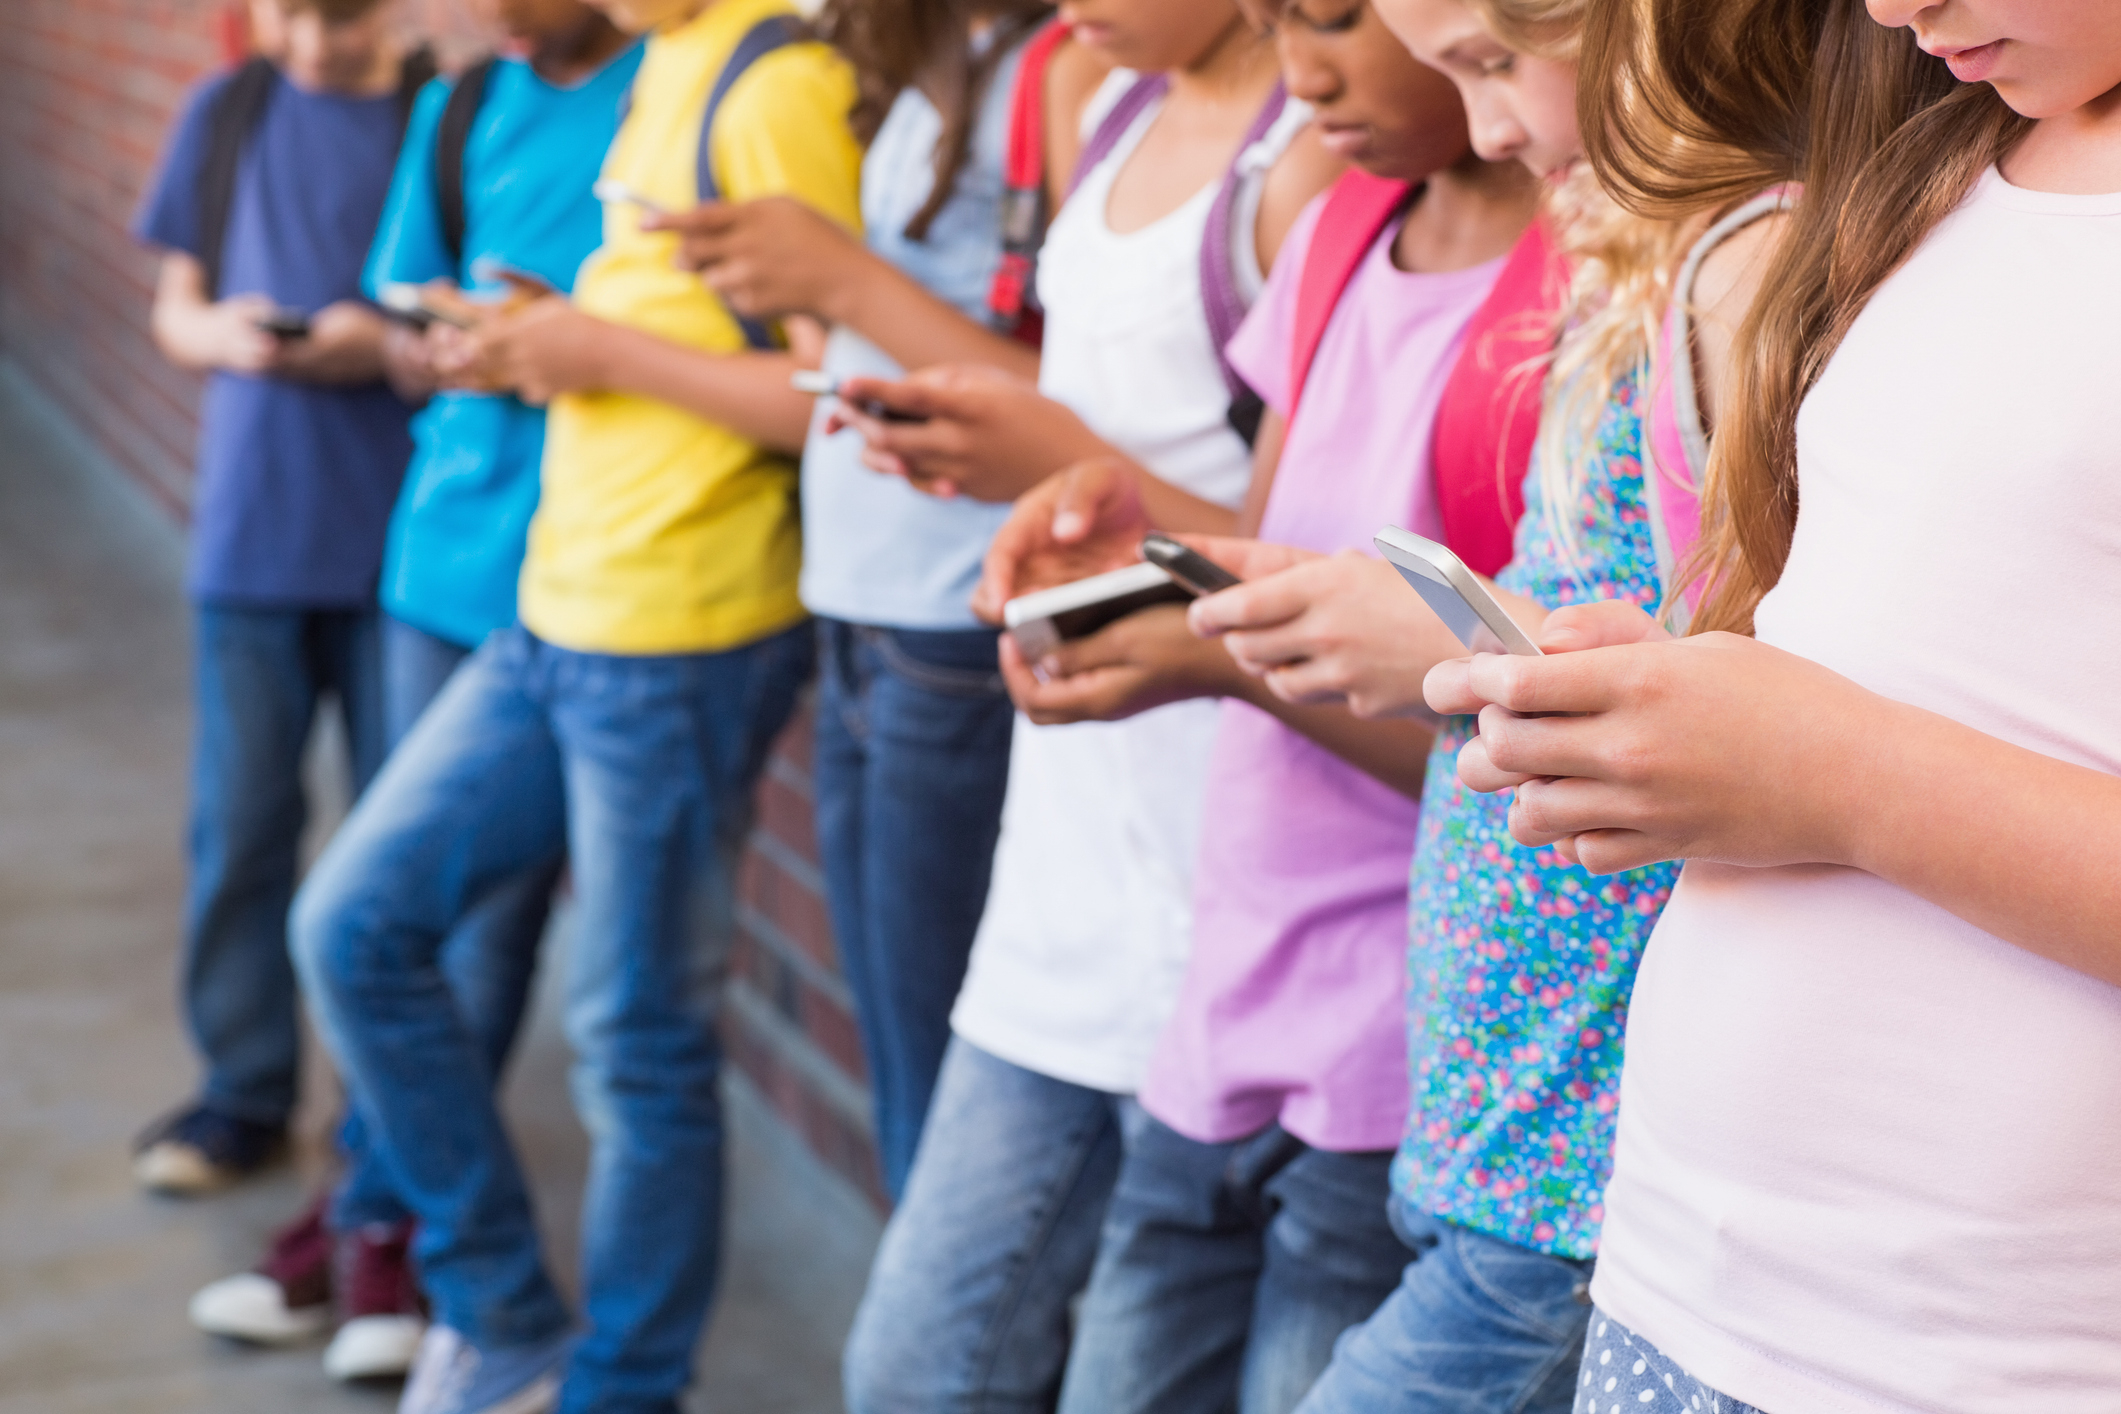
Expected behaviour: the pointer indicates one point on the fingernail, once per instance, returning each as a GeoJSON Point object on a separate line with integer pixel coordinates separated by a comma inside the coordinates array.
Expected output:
{"type": "Point", "coordinates": [1068, 524]}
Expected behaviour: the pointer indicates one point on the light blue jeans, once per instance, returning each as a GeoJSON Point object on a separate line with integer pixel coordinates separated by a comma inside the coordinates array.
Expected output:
{"type": "Point", "coordinates": [643, 768]}
{"type": "Point", "coordinates": [1476, 1326]}
{"type": "Point", "coordinates": [967, 1306]}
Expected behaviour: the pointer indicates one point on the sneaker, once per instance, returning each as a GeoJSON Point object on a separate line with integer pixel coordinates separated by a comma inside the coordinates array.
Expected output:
{"type": "Point", "coordinates": [287, 1298]}
{"type": "Point", "coordinates": [195, 1151]}
{"type": "Point", "coordinates": [453, 1376]}
{"type": "Point", "coordinates": [383, 1311]}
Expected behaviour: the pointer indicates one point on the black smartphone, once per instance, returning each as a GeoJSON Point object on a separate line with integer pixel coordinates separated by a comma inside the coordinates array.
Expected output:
{"type": "Point", "coordinates": [1189, 567]}
{"type": "Point", "coordinates": [286, 324]}
{"type": "Point", "coordinates": [826, 385]}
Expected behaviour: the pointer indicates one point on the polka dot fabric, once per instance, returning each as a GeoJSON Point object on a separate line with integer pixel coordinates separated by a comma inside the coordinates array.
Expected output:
{"type": "Point", "coordinates": [1625, 1374]}
{"type": "Point", "coordinates": [1520, 964]}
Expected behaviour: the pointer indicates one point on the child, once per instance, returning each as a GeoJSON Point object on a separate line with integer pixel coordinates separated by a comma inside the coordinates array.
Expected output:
{"type": "Point", "coordinates": [1248, 1227]}
{"type": "Point", "coordinates": [266, 202]}
{"type": "Point", "coordinates": [1086, 927]}
{"type": "Point", "coordinates": [913, 724]}
{"type": "Point", "coordinates": [523, 147]}
{"type": "Point", "coordinates": [661, 647]}
{"type": "Point", "coordinates": [1863, 1160]}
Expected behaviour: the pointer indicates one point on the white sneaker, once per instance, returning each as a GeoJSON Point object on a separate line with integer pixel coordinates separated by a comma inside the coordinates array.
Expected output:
{"type": "Point", "coordinates": [452, 1376]}
{"type": "Point", "coordinates": [374, 1347]}
{"type": "Point", "coordinates": [252, 1307]}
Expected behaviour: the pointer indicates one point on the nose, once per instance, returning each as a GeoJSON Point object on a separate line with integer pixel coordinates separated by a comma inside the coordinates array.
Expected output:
{"type": "Point", "coordinates": [1895, 13]}
{"type": "Point", "coordinates": [1496, 134]}
{"type": "Point", "coordinates": [1303, 70]}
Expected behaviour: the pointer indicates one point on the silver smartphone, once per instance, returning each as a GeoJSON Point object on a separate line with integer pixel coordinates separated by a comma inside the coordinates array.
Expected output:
{"type": "Point", "coordinates": [409, 303]}
{"type": "Point", "coordinates": [616, 193]}
{"type": "Point", "coordinates": [1459, 599]}
{"type": "Point", "coordinates": [1042, 621]}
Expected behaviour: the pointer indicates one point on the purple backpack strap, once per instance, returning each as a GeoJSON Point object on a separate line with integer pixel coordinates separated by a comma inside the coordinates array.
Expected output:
{"type": "Point", "coordinates": [1113, 126]}
{"type": "Point", "coordinates": [1218, 270]}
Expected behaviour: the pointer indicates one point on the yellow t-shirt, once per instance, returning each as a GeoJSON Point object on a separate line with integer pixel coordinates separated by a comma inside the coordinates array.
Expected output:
{"type": "Point", "coordinates": [659, 531]}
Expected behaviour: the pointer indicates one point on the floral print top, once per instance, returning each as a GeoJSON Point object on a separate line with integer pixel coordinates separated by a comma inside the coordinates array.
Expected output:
{"type": "Point", "coordinates": [1520, 964]}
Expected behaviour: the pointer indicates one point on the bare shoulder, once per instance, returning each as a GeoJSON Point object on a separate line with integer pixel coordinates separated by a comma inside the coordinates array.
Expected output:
{"type": "Point", "coordinates": [1303, 170]}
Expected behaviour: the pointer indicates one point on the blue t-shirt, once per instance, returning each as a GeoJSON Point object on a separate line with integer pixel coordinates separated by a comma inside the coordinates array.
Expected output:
{"type": "Point", "coordinates": [456, 541]}
{"type": "Point", "coordinates": [295, 480]}
{"type": "Point", "coordinates": [876, 551]}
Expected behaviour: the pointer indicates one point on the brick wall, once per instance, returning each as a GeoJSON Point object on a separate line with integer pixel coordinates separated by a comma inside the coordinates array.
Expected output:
{"type": "Point", "coordinates": [88, 89]}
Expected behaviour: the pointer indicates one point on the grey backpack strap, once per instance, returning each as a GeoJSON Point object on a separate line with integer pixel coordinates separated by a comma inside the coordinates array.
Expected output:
{"type": "Point", "coordinates": [773, 32]}
{"type": "Point", "coordinates": [236, 111]}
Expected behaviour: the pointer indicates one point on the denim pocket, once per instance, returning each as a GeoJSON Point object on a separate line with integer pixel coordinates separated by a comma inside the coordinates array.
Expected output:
{"type": "Point", "coordinates": [949, 664]}
{"type": "Point", "coordinates": [1532, 1287]}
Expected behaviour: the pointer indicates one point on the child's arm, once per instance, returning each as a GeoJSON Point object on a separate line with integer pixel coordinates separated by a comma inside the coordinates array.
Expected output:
{"type": "Point", "coordinates": [776, 256]}
{"type": "Point", "coordinates": [205, 335]}
{"type": "Point", "coordinates": [1721, 747]}
{"type": "Point", "coordinates": [547, 347]}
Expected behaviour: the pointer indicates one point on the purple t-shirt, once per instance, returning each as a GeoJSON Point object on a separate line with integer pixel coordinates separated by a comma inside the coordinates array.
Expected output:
{"type": "Point", "coordinates": [1293, 1008]}
{"type": "Point", "coordinates": [295, 481]}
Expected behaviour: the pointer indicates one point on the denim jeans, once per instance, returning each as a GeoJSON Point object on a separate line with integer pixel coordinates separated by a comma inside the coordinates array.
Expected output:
{"type": "Point", "coordinates": [643, 768]}
{"type": "Point", "coordinates": [1477, 1326]}
{"type": "Point", "coordinates": [912, 760]}
{"type": "Point", "coordinates": [491, 957]}
{"type": "Point", "coordinates": [967, 1306]}
{"type": "Point", "coordinates": [260, 676]}
{"type": "Point", "coordinates": [1225, 1273]}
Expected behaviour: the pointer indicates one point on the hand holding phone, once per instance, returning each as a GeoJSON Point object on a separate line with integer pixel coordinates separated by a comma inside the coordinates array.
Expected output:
{"type": "Point", "coordinates": [285, 323]}
{"type": "Point", "coordinates": [1041, 621]}
{"type": "Point", "coordinates": [410, 304]}
{"type": "Point", "coordinates": [827, 385]}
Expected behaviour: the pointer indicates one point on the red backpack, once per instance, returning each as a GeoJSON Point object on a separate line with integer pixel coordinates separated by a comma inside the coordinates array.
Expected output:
{"type": "Point", "coordinates": [1489, 416]}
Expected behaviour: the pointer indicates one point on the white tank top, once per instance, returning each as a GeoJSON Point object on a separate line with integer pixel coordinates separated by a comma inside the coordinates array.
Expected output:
{"type": "Point", "coordinates": [1089, 920]}
{"type": "Point", "coordinates": [1869, 1156]}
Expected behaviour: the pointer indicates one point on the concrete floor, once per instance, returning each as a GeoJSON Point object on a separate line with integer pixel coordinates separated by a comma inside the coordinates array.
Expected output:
{"type": "Point", "coordinates": [94, 723]}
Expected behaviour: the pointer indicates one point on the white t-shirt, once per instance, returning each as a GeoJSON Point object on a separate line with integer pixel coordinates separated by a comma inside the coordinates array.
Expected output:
{"type": "Point", "coordinates": [1089, 920]}
{"type": "Point", "coordinates": [1869, 1155]}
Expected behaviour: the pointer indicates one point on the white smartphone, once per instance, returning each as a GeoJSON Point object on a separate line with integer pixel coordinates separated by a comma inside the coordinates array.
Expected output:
{"type": "Point", "coordinates": [616, 193]}
{"type": "Point", "coordinates": [815, 380]}
{"type": "Point", "coordinates": [410, 303]}
{"type": "Point", "coordinates": [1042, 621]}
{"type": "Point", "coordinates": [1448, 587]}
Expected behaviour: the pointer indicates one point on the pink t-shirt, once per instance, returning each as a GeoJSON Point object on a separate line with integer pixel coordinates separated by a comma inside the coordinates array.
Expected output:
{"type": "Point", "coordinates": [1869, 1155]}
{"type": "Point", "coordinates": [1293, 1003]}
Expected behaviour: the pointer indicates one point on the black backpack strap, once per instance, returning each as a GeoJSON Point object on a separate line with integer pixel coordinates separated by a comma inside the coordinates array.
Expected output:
{"type": "Point", "coordinates": [417, 70]}
{"type": "Point", "coordinates": [452, 136]}
{"type": "Point", "coordinates": [236, 110]}
{"type": "Point", "coordinates": [773, 32]}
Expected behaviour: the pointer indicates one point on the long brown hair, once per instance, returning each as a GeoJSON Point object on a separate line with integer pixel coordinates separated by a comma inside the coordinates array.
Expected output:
{"type": "Point", "coordinates": [893, 44]}
{"type": "Point", "coordinates": [1890, 145]}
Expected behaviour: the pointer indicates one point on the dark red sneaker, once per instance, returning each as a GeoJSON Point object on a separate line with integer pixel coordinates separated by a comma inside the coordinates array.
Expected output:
{"type": "Point", "coordinates": [380, 1302]}
{"type": "Point", "coordinates": [286, 1298]}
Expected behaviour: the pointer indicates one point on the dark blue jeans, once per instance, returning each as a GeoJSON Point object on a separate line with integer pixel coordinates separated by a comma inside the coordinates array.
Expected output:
{"type": "Point", "coordinates": [491, 957]}
{"type": "Point", "coordinates": [643, 768]}
{"type": "Point", "coordinates": [261, 675]}
{"type": "Point", "coordinates": [912, 760]}
{"type": "Point", "coordinates": [1226, 1272]}
{"type": "Point", "coordinates": [1477, 1326]}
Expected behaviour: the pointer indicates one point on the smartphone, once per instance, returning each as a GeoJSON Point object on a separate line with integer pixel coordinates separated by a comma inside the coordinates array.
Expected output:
{"type": "Point", "coordinates": [1042, 621]}
{"type": "Point", "coordinates": [1199, 574]}
{"type": "Point", "coordinates": [1459, 599]}
{"type": "Point", "coordinates": [489, 271]}
{"type": "Point", "coordinates": [286, 324]}
{"type": "Point", "coordinates": [617, 193]}
{"type": "Point", "coordinates": [827, 385]}
{"type": "Point", "coordinates": [409, 303]}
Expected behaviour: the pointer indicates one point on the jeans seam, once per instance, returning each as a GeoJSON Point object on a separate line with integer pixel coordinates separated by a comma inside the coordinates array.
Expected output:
{"type": "Point", "coordinates": [1504, 1299]}
{"type": "Point", "coordinates": [988, 1356]}
{"type": "Point", "coordinates": [949, 682]}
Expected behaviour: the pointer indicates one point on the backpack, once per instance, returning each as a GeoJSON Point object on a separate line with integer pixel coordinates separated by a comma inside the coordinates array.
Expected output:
{"type": "Point", "coordinates": [1012, 296]}
{"type": "Point", "coordinates": [452, 136]}
{"type": "Point", "coordinates": [234, 115]}
{"type": "Point", "coordinates": [772, 33]}
{"type": "Point", "coordinates": [1480, 453]}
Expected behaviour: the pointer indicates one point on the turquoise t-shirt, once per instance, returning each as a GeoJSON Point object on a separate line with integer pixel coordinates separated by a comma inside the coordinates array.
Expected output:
{"type": "Point", "coordinates": [1521, 963]}
{"type": "Point", "coordinates": [455, 545]}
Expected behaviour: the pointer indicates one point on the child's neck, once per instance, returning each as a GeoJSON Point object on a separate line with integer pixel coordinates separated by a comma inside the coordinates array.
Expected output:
{"type": "Point", "coordinates": [379, 79]}
{"type": "Point", "coordinates": [1238, 67]}
{"type": "Point", "coordinates": [2077, 153]}
{"type": "Point", "coordinates": [1468, 214]}
{"type": "Point", "coordinates": [576, 54]}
